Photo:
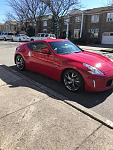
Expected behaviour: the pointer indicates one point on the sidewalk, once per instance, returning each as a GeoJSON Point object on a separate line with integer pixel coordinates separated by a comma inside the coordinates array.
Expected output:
{"type": "Point", "coordinates": [32, 117]}
{"type": "Point", "coordinates": [97, 48]}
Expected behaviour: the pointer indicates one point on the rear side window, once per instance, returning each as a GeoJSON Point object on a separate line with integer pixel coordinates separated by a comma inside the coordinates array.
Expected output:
{"type": "Point", "coordinates": [38, 35]}
{"type": "Point", "coordinates": [37, 46]}
{"type": "Point", "coordinates": [52, 35]}
{"type": "Point", "coordinates": [46, 35]}
{"type": "Point", "coordinates": [42, 35]}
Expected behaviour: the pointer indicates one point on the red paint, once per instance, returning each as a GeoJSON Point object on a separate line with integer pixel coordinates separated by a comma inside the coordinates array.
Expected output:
{"type": "Point", "coordinates": [54, 64]}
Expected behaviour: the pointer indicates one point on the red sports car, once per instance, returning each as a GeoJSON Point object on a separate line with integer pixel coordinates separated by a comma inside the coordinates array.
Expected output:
{"type": "Point", "coordinates": [63, 61]}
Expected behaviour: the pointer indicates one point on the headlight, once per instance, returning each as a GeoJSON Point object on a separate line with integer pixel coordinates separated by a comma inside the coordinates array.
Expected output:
{"type": "Point", "coordinates": [111, 59]}
{"type": "Point", "coordinates": [93, 70]}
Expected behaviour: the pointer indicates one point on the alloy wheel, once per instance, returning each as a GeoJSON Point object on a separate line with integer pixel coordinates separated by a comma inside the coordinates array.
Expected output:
{"type": "Point", "coordinates": [20, 62]}
{"type": "Point", "coordinates": [73, 80]}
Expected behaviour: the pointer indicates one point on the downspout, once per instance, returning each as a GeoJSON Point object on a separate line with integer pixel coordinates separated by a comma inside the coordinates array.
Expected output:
{"type": "Point", "coordinates": [82, 22]}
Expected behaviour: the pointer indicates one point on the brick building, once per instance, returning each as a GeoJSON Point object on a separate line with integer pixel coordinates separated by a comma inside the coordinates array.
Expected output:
{"type": "Point", "coordinates": [10, 26]}
{"type": "Point", "coordinates": [93, 25]}
{"type": "Point", "coordinates": [1, 27]}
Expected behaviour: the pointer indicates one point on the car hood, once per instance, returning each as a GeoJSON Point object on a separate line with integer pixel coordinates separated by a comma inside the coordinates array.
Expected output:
{"type": "Point", "coordinates": [93, 59]}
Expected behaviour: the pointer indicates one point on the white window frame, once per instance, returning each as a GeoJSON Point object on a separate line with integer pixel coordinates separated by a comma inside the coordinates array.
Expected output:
{"type": "Point", "coordinates": [77, 33]}
{"type": "Point", "coordinates": [109, 17]}
{"type": "Point", "coordinates": [77, 18]}
{"type": "Point", "coordinates": [95, 32]}
{"type": "Point", "coordinates": [45, 23]}
{"type": "Point", "coordinates": [94, 18]}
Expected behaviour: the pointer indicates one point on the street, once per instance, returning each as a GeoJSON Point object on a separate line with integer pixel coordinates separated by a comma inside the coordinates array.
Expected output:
{"type": "Point", "coordinates": [101, 103]}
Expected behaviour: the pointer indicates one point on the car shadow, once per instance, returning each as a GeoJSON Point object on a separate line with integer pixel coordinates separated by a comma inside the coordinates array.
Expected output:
{"type": "Point", "coordinates": [85, 99]}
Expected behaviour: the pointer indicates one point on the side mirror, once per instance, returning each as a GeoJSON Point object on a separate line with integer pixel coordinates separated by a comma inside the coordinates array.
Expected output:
{"type": "Point", "coordinates": [46, 51]}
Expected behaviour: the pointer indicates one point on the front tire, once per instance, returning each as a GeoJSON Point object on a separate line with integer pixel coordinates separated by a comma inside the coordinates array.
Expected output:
{"type": "Point", "coordinates": [72, 80]}
{"type": "Point", "coordinates": [20, 63]}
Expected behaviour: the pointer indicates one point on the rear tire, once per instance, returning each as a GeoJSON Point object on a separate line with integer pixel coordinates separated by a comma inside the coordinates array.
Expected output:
{"type": "Point", "coordinates": [20, 63]}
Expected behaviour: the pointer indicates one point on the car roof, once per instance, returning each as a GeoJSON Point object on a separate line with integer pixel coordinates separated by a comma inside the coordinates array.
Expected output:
{"type": "Point", "coordinates": [51, 40]}
{"type": "Point", "coordinates": [45, 33]}
{"type": "Point", "coordinates": [46, 40]}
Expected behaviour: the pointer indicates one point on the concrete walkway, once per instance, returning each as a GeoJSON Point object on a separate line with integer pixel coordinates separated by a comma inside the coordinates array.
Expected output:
{"type": "Point", "coordinates": [96, 48]}
{"type": "Point", "coordinates": [32, 118]}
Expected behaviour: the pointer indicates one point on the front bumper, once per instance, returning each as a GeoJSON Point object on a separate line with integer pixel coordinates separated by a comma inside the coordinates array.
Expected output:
{"type": "Point", "coordinates": [98, 83]}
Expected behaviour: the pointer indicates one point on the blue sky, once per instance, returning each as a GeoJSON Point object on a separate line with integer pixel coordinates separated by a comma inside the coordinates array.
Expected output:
{"type": "Point", "coordinates": [86, 4]}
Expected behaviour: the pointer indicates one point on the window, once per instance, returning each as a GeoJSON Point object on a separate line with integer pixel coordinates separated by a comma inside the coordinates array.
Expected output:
{"type": "Point", "coordinates": [76, 33]}
{"type": "Point", "coordinates": [94, 32]}
{"type": "Point", "coordinates": [94, 18]}
{"type": "Point", "coordinates": [109, 17]}
{"type": "Point", "coordinates": [42, 35]}
{"type": "Point", "coordinates": [45, 23]}
{"type": "Point", "coordinates": [78, 19]}
{"type": "Point", "coordinates": [111, 34]}
{"type": "Point", "coordinates": [66, 21]}
{"type": "Point", "coordinates": [105, 34]}
{"type": "Point", "coordinates": [38, 35]}
{"type": "Point", "coordinates": [10, 34]}
{"type": "Point", "coordinates": [45, 30]}
{"type": "Point", "coordinates": [37, 46]}
{"type": "Point", "coordinates": [46, 35]}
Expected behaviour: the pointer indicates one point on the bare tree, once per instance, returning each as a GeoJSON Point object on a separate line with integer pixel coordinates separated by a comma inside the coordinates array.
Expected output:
{"type": "Point", "coordinates": [28, 10]}
{"type": "Point", "coordinates": [60, 8]}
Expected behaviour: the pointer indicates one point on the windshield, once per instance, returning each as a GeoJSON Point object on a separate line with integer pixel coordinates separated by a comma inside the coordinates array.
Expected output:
{"type": "Point", "coordinates": [64, 47]}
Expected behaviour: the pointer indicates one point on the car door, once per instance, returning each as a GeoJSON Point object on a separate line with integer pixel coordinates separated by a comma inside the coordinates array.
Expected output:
{"type": "Point", "coordinates": [45, 63]}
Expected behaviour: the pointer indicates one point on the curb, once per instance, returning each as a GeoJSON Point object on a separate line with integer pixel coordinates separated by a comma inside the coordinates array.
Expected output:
{"type": "Point", "coordinates": [75, 105]}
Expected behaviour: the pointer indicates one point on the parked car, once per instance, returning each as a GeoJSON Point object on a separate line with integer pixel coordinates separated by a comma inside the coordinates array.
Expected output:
{"type": "Point", "coordinates": [1, 36]}
{"type": "Point", "coordinates": [42, 36]}
{"type": "Point", "coordinates": [21, 38]}
{"type": "Point", "coordinates": [7, 36]}
{"type": "Point", "coordinates": [63, 61]}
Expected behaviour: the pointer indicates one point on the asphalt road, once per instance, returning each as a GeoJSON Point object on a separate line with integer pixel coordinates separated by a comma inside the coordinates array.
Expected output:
{"type": "Point", "coordinates": [101, 103]}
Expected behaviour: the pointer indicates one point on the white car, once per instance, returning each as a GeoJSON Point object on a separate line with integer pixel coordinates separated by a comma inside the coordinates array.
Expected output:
{"type": "Point", "coordinates": [7, 36]}
{"type": "Point", "coordinates": [21, 38]}
{"type": "Point", "coordinates": [1, 36]}
{"type": "Point", "coordinates": [43, 36]}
